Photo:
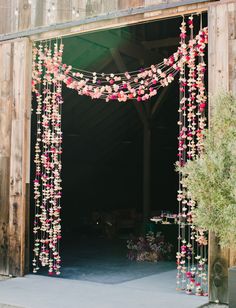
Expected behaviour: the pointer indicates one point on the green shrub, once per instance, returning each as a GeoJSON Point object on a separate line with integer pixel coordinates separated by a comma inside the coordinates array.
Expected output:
{"type": "Point", "coordinates": [211, 177]}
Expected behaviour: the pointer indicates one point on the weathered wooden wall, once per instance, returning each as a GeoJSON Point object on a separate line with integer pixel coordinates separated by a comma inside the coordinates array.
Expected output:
{"type": "Point", "coordinates": [222, 76]}
{"type": "Point", "coordinates": [27, 14]}
{"type": "Point", "coordinates": [15, 102]}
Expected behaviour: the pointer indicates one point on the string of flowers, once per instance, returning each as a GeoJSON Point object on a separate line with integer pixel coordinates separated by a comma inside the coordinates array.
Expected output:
{"type": "Point", "coordinates": [48, 75]}
{"type": "Point", "coordinates": [47, 87]}
{"type": "Point", "coordinates": [191, 255]}
{"type": "Point", "coordinates": [138, 85]}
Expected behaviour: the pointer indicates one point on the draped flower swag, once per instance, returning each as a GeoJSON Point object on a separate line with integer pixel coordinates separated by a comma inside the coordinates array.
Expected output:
{"type": "Point", "coordinates": [48, 76]}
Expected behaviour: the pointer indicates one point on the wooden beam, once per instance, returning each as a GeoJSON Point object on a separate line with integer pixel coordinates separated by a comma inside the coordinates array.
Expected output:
{"type": "Point", "coordinates": [101, 65]}
{"type": "Point", "coordinates": [122, 68]}
{"type": "Point", "coordinates": [146, 172]}
{"type": "Point", "coordinates": [111, 19]}
{"type": "Point", "coordinates": [74, 102]}
{"type": "Point", "coordinates": [144, 116]}
{"type": "Point", "coordinates": [147, 107]}
{"type": "Point", "coordinates": [167, 42]}
{"type": "Point", "coordinates": [115, 53]}
{"type": "Point", "coordinates": [73, 49]}
{"type": "Point", "coordinates": [127, 47]}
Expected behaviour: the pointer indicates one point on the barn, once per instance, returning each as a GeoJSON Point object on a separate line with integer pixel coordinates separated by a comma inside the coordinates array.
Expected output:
{"type": "Point", "coordinates": [119, 155]}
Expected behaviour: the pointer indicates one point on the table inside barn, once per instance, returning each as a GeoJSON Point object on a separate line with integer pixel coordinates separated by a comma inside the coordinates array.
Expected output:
{"type": "Point", "coordinates": [168, 228]}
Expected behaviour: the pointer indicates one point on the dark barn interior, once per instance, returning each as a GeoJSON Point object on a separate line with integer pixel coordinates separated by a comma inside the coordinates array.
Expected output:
{"type": "Point", "coordinates": [104, 161]}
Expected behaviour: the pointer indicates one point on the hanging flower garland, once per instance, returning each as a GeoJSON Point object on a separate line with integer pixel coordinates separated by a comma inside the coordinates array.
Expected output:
{"type": "Point", "coordinates": [138, 85]}
{"type": "Point", "coordinates": [48, 75]}
{"type": "Point", "coordinates": [192, 243]}
{"type": "Point", "coordinates": [47, 183]}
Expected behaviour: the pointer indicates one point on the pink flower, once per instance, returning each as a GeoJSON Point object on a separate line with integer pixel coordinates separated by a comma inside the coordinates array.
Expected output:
{"type": "Point", "coordinates": [69, 81]}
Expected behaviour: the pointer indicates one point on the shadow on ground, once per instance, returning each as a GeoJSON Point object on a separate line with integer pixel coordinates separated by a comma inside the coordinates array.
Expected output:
{"type": "Point", "coordinates": [104, 261]}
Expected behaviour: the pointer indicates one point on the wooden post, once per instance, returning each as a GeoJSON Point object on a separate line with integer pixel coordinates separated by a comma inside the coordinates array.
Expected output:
{"type": "Point", "coordinates": [145, 117]}
{"type": "Point", "coordinates": [222, 62]}
{"type": "Point", "coordinates": [15, 106]}
{"type": "Point", "coordinates": [146, 171]}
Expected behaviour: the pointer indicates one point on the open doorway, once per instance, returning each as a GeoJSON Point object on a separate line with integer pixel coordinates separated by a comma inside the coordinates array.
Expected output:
{"type": "Point", "coordinates": [103, 157]}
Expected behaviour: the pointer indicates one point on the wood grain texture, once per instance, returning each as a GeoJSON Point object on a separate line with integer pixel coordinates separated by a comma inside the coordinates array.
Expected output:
{"type": "Point", "coordinates": [24, 17]}
{"type": "Point", "coordinates": [218, 271]}
{"type": "Point", "coordinates": [124, 4]}
{"type": "Point", "coordinates": [77, 26]}
{"type": "Point", "coordinates": [42, 13]}
{"type": "Point", "coordinates": [15, 81]}
{"type": "Point", "coordinates": [222, 77]}
{"type": "Point", "coordinates": [4, 214]}
{"type": "Point", "coordinates": [5, 136]}
{"type": "Point", "coordinates": [19, 159]}
{"type": "Point", "coordinates": [218, 49]}
{"type": "Point", "coordinates": [36, 13]}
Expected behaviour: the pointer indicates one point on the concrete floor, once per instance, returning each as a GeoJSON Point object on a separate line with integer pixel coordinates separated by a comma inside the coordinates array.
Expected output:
{"type": "Point", "coordinates": [97, 273]}
{"type": "Point", "coordinates": [105, 261]}
{"type": "Point", "coordinates": [35, 291]}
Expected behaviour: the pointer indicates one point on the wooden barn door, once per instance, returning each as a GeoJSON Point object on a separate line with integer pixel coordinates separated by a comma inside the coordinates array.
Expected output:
{"type": "Point", "coordinates": [222, 76]}
{"type": "Point", "coordinates": [15, 110]}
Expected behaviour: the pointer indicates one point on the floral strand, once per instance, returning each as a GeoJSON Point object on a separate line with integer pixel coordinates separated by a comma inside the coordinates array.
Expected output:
{"type": "Point", "coordinates": [47, 184]}
{"type": "Point", "coordinates": [191, 257]}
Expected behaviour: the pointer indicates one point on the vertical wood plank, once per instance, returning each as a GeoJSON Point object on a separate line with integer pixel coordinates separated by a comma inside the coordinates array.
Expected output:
{"type": "Point", "coordinates": [27, 156]}
{"type": "Point", "coordinates": [64, 10]}
{"type": "Point", "coordinates": [24, 15]}
{"type": "Point", "coordinates": [222, 76]}
{"type": "Point", "coordinates": [16, 209]}
{"type": "Point", "coordinates": [5, 135]}
{"type": "Point", "coordinates": [218, 271]}
{"type": "Point", "coordinates": [218, 81]}
{"type": "Point", "coordinates": [6, 14]}
{"type": "Point", "coordinates": [4, 214]}
{"type": "Point", "coordinates": [232, 46]}
{"type": "Point", "coordinates": [218, 49]}
{"type": "Point", "coordinates": [123, 4]}
{"type": "Point", "coordinates": [232, 21]}
{"type": "Point", "coordinates": [38, 14]}
{"type": "Point", "coordinates": [112, 6]}
{"type": "Point", "coordinates": [28, 231]}
{"type": "Point", "coordinates": [232, 66]}
{"type": "Point", "coordinates": [93, 6]}
{"type": "Point", "coordinates": [27, 151]}
{"type": "Point", "coordinates": [15, 15]}
{"type": "Point", "coordinates": [19, 160]}
{"type": "Point", "coordinates": [79, 8]}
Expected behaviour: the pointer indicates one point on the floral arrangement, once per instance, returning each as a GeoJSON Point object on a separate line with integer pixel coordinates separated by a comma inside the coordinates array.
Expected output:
{"type": "Point", "coordinates": [211, 177]}
{"type": "Point", "coordinates": [50, 73]}
{"type": "Point", "coordinates": [139, 85]}
{"type": "Point", "coordinates": [47, 88]}
{"type": "Point", "coordinates": [191, 257]}
{"type": "Point", "coordinates": [151, 248]}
